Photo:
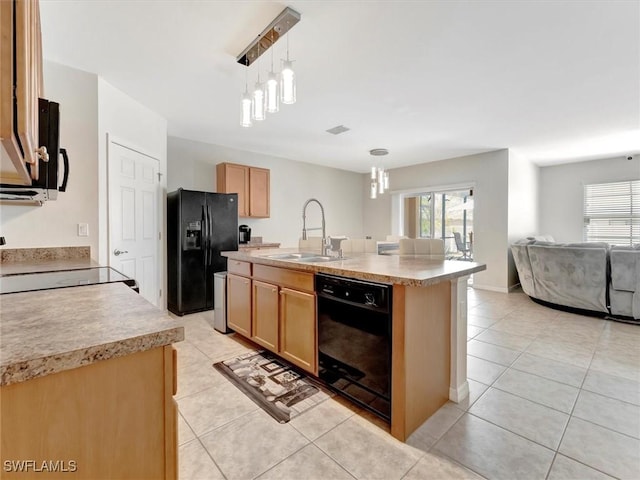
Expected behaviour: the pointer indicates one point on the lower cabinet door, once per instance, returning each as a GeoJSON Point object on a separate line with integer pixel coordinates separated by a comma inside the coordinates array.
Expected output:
{"type": "Point", "coordinates": [298, 329]}
{"type": "Point", "coordinates": [265, 315]}
{"type": "Point", "coordinates": [239, 304]}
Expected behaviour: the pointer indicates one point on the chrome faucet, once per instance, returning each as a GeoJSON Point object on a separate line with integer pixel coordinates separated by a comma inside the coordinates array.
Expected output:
{"type": "Point", "coordinates": [304, 224]}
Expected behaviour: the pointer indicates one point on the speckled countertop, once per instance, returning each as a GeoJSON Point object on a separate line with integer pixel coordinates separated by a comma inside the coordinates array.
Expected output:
{"type": "Point", "coordinates": [46, 265]}
{"type": "Point", "coordinates": [50, 331]}
{"type": "Point", "coordinates": [258, 245]}
{"type": "Point", "coordinates": [412, 270]}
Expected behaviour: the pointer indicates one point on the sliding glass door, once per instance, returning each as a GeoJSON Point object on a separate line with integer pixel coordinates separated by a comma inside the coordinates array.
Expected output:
{"type": "Point", "coordinates": [441, 214]}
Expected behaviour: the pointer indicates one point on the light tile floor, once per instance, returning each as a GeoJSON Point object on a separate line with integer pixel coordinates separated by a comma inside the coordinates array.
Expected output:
{"type": "Point", "coordinates": [553, 395]}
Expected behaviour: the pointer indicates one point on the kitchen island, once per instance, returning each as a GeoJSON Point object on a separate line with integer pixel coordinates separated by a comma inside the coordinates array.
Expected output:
{"type": "Point", "coordinates": [87, 378]}
{"type": "Point", "coordinates": [429, 325]}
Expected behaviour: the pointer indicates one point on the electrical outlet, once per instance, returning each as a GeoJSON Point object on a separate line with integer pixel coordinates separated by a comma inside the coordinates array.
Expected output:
{"type": "Point", "coordinates": [83, 229]}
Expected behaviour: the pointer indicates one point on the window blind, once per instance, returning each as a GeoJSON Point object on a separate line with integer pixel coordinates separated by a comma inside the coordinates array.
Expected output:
{"type": "Point", "coordinates": [612, 212]}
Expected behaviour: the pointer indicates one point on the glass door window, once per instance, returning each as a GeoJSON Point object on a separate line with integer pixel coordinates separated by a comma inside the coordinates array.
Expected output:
{"type": "Point", "coordinates": [444, 214]}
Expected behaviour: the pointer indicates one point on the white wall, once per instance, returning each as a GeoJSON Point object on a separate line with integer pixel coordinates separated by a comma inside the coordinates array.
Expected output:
{"type": "Point", "coordinates": [562, 192]}
{"type": "Point", "coordinates": [192, 165]}
{"type": "Point", "coordinates": [124, 119]}
{"type": "Point", "coordinates": [523, 204]}
{"type": "Point", "coordinates": [489, 173]}
{"type": "Point", "coordinates": [55, 223]}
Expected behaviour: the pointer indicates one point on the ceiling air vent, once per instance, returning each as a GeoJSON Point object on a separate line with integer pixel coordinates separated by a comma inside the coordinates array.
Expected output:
{"type": "Point", "coordinates": [338, 130]}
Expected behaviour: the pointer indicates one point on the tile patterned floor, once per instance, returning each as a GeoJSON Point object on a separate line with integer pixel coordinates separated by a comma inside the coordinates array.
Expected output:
{"type": "Point", "coordinates": [552, 396]}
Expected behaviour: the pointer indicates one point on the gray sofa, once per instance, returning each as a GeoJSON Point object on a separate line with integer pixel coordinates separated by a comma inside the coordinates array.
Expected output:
{"type": "Point", "coordinates": [590, 277]}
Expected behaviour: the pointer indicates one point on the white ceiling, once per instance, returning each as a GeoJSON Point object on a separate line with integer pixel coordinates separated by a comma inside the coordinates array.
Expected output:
{"type": "Point", "coordinates": [555, 81]}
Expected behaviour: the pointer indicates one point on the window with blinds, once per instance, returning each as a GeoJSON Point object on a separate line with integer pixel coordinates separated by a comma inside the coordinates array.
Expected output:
{"type": "Point", "coordinates": [612, 212]}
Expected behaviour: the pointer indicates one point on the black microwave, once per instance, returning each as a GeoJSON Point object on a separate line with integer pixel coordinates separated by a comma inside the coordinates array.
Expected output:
{"type": "Point", "coordinates": [47, 186]}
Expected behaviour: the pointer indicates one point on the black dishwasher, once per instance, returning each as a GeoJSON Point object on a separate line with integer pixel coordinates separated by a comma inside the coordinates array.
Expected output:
{"type": "Point", "coordinates": [354, 340]}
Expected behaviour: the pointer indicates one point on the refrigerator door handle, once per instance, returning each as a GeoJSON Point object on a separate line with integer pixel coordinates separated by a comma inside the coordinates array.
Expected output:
{"type": "Point", "coordinates": [210, 233]}
{"type": "Point", "coordinates": [203, 240]}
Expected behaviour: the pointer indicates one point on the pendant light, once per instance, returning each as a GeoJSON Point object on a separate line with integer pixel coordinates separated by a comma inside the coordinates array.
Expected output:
{"type": "Point", "coordinates": [245, 105]}
{"type": "Point", "coordinates": [287, 80]}
{"type": "Point", "coordinates": [278, 88]}
{"type": "Point", "coordinates": [272, 96]}
{"type": "Point", "coordinates": [379, 176]}
{"type": "Point", "coordinates": [258, 101]}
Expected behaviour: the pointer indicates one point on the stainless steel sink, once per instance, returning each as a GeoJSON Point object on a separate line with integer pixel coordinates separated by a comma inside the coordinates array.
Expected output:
{"type": "Point", "coordinates": [303, 257]}
{"type": "Point", "coordinates": [320, 258]}
{"type": "Point", "coordinates": [292, 256]}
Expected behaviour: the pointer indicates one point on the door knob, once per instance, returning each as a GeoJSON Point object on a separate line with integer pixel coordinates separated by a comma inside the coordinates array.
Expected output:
{"type": "Point", "coordinates": [117, 252]}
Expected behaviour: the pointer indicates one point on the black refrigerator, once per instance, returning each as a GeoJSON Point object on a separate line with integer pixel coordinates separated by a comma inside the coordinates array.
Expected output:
{"type": "Point", "coordinates": [200, 225]}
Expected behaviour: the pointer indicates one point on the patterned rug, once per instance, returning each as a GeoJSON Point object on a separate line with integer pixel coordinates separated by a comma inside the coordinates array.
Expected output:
{"type": "Point", "coordinates": [273, 384]}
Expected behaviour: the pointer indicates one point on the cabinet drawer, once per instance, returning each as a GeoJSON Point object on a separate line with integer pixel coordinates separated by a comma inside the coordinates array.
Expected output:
{"type": "Point", "coordinates": [284, 277]}
{"type": "Point", "coordinates": [238, 267]}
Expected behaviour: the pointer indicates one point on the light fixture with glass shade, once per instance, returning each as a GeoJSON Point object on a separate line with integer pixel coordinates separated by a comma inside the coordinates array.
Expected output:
{"type": "Point", "coordinates": [271, 91]}
{"type": "Point", "coordinates": [287, 80]}
{"type": "Point", "coordinates": [258, 101]}
{"type": "Point", "coordinates": [245, 110]}
{"type": "Point", "coordinates": [379, 176]}
{"type": "Point", "coordinates": [279, 88]}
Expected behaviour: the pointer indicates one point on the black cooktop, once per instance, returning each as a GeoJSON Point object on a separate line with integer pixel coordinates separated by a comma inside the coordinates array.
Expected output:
{"type": "Point", "coordinates": [28, 282]}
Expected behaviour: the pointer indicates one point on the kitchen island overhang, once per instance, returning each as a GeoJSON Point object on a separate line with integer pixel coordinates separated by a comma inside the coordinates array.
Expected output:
{"type": "Point", "coordinates": [429, 324]}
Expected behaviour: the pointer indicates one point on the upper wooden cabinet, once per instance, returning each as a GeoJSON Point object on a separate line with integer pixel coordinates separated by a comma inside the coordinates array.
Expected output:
{"type": "Point", "coordinates": [21, 84]}
{"type": "Point", "coordinates": [250, 183]}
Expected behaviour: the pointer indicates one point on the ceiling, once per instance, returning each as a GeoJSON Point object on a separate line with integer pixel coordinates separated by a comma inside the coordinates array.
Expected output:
{"type": "Point", "coordinates": [554, 81]}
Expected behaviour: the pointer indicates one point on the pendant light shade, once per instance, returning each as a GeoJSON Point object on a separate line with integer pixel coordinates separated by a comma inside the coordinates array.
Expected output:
{"type": "Point", "coordinates": [374, 190]}
{"type": "Point", "coordinates": [288, 83]}
{"type": "Point", "coordinates": [245, 111]}
{"type": "Point", "coordinates": [258, 102]}
{"type": "Point", "coordinates": [273, 97]}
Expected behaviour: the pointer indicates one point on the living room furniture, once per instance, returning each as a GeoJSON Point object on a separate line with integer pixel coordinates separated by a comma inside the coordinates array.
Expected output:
{"type": "Point", "coordinates": [462, 248]}
{"type": "Point", "coordinates": [590, 277]}
{"type": "Point", "coordinates": [422, 246]}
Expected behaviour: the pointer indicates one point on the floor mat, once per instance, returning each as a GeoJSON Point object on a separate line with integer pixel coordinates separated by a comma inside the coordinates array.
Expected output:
{"type": "Point", "coordinates": [273, 384]}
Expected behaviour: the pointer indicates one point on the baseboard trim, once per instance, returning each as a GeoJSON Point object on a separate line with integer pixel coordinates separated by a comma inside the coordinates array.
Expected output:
{"type": "Point", "coordinates": [490, 288]}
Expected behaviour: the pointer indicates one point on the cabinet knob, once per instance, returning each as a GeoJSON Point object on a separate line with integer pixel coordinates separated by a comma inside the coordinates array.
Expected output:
{"type": "Point", "coordinates": [42, 153]}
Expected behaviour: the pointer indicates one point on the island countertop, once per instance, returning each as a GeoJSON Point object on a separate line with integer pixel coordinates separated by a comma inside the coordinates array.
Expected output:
{"type": "Point", "coordinates": [411, 270]}
{"type": "Point", "coordinates": [49, 331]}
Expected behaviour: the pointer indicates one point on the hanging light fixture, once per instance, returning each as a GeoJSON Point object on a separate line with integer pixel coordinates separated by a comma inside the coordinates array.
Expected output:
{"type": "Point", "coordinates": [245, 110]}
{"type": "Point", "coordinates": [258, 100]}
{"type": "Point", "coordinates": [379, 176]}
{"type": "Point", "coordinates": [266, 97]}
{"type": "Point", "coordinates": [272, 97]}
{"type": "Point", "coordinates": [288, 80]}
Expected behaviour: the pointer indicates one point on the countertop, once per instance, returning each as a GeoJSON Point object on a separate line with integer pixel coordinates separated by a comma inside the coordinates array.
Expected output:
{"type": "Point", "coordinates": [411, 270]}
{"type": "Point", "coordinates": [259, 245]}
{"type": "Point", "coordinates": [50, 331]}
{"type": "Point", "coordinates": [46, 265]}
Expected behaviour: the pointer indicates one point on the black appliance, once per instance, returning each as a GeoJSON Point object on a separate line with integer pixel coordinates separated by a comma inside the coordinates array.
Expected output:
{"type": "Point", "coordinates": [46, 186]}
{"type": "Point", "coordinates": [29, 282]}
{"type": "Point", "coordinates": [200, 225]}
{"type": "Point", "coordinates": [354, 340]}
{"type": "Point", "coordinates": [244, 235]}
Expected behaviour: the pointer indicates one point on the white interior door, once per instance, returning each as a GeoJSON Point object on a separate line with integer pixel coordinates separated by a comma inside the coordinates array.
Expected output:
{"type": "Point", "coordinates": [134, 195]}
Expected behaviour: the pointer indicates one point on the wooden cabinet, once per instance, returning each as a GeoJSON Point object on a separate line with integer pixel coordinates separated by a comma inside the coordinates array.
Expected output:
{"type": "Point", "coordinates": [114, 418]}
{"type": "Point", "coordinates": [21, 84]}
{"type": "Point", "coordinates": [298, 328]}
{"type": "Point", "coordinates": [239, 304]}
{"type": "Point", "coordinates": [252, 184]}
{"type": "Point", "coordinates": [265, 315]}
{"type": "Point", "coordinates": [259, 192]}
{"type": "Point", "coordinates": [278, 311]}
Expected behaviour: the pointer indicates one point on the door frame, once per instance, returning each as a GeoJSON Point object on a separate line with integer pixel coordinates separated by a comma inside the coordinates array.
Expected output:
{"type": "Point", "coordinates": [105, 256]}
